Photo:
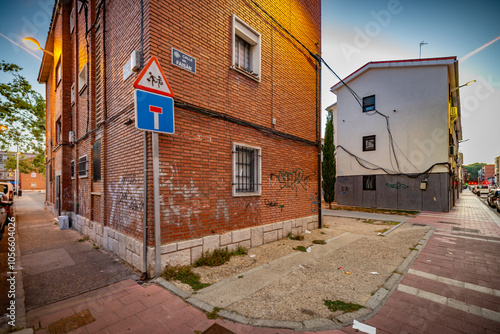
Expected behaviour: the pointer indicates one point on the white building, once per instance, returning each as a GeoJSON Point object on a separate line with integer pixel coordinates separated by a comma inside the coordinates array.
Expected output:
{"type": "Point", "coordinates": [397, 127]}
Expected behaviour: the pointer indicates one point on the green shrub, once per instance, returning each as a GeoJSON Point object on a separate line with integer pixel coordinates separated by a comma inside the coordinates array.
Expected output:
{"type": "Point", "coordinates": [295, 237]}
{"type": "Point", "coordinates": [185, 275]}
{"type": "Point", "coordinates": [218, 257]}
{"type": "Point", "coordinates": [339, 305]}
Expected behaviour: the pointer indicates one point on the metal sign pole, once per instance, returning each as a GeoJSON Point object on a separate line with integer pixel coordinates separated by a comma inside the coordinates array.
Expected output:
{"type": "Point", "coordinates": [156, 193]}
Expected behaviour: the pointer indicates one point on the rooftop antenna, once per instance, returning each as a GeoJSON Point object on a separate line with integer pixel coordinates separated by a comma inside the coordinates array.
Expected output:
{"type": "Point", "coordinates": [420, 52]}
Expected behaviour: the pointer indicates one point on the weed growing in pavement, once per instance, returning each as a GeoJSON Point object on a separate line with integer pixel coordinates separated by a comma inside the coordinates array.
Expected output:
{"type": "Point", "coordinates": [319, 242]}
{"type": "Point", "coordinates": [294, 237]}
{"type": "Point", "coordinates": [412, 248]}
{"type": "Point", "coordinates": [85, 238]}
{"type": "Point", "coordinates": [218, 257]}
{"type": "Point", "coordinates": [339, 305]}
{"type": "Point", "coordinates": [391, 223]}
{"type": "Point", "coordinates": [322, 232]}
{"type": "Point", "coordinates": [96, 246]}
{"type": "Point", "coordinates": [368, 221]}
{"type": "Point", "coordinates": [213, 314]}
{"type": "Point", "coordinates": [185, 275]}
{"type": "Point", "coordinates": [383, 231]}
{"type": "Point", "coordinates": [301, 248]}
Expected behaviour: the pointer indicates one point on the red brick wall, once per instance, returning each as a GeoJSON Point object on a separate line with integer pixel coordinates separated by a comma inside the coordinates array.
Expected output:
{"type": "Point", "coordinates": [196, 161]}
{"type": "Point", "coordinates": [30, 182]}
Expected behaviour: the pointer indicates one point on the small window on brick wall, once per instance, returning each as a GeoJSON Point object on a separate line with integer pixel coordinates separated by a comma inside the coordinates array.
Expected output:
{"type": "Point", "coordinates": [83, 167]}
{"type": "Point", "coordinates": [73, 94]}
{"type": "Point", "coordinates": [246, 170]}
{"type": "Point", "coordinates": [246, 49]}
{"type": "Point", "coordinates": [82, 79]}
{"type": "Point", "coordinates": [369, 182]}
{"type": "Point", "coordinates": [72, 169]}
{"type": "Point", "coordinates": [72, 21]}
{"type": "Point", "coordinates": [58, 131]}
{"type": "Point", "coordinates": [96, 160]}
{"type": "Point", "coordinates": [58, 72]}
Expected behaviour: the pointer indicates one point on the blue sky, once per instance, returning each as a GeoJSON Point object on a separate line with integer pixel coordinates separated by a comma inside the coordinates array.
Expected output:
{"type": "Point", "coordinates": [394, 30]}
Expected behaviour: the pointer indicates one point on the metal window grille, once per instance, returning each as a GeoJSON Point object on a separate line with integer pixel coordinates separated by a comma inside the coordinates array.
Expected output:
{"type": "Point", "coordinates": [96, 160]}
{"type": "Point", "coordinates": [247, 178]}
{"type": "Point", "coordinates": [82, 166]}
{"type": "Point", "coordinates": [242, 53]}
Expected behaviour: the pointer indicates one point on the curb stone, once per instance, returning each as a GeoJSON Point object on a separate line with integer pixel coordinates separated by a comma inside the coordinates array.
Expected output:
{"type": "Point", "coordinates": [372, 306]}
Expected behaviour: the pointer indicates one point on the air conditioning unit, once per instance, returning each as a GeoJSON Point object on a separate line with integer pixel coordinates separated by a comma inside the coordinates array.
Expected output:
{"type": "Point", "coordinates": [72, 137]}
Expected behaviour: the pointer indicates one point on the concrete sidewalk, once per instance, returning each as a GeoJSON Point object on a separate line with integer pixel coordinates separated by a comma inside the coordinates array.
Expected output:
{"type": "Point", "coordinates": [452, 287]}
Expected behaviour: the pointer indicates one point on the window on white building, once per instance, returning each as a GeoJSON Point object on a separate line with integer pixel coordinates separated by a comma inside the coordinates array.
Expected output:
{"type": "Point", "coordinates": [369, 103]}
{"type": "Point", "coordinates": [246, 49]}
{"type": "Point", "coordinates": [369, 182]}
{"type": "Point", "coordinates": [369, 143]}
{"type": "Point", "coordinates": [246, 170]}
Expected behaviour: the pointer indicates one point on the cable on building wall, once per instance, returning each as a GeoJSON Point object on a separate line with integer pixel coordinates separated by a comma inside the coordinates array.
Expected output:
{"type": "Point", "coordinates": [362, 162]}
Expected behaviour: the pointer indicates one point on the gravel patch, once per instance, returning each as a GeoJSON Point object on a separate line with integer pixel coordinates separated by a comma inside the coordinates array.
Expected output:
{"type": "Point", "coordinates": [345, 274]}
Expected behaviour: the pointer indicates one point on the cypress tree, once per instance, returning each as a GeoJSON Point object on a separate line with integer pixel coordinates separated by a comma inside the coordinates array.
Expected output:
{"type": "Point", "coordinates": [329, 171]}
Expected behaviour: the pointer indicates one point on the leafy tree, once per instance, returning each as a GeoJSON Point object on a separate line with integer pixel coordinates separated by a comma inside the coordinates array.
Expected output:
{"type": "Point", "coordinates": [472, 170]}
{"type": "Point", "coordinates": [329, 171]}
{"type": "Point", "coordinates": [22, 110]}
{"type": "Point", "coordinates": [25, 165]}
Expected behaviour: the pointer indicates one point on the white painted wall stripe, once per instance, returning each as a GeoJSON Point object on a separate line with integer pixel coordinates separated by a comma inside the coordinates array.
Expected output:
{"type": "Point", "coordinates": [464, 237]}
{"type": "Point", "coordinates": [453, 282]}
{"type": "Point", "coordinates": [456, 304]}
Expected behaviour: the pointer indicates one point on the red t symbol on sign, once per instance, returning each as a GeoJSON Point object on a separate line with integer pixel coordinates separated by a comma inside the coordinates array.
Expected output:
{"type": "Point", "coordinates": [157, 111]}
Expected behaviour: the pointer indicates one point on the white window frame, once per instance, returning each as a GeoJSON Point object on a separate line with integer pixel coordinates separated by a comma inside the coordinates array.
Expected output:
{"type": "Point", "coordinates": [82, 79]}
{"type": "Point", "coordinates": [252, 37]}
{"type": "Point", "coordinates": [72, 21]}
{"type": "Point", "coordinates": [86, 167]}
{"type": "Point", "coordinates": [257, 172]}
{"type": "Point", "coordinates": [73, 94]}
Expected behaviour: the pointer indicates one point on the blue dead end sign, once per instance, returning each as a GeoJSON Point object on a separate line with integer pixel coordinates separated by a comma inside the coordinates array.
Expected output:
{"type": "Point", "coordinates": [154, 112]}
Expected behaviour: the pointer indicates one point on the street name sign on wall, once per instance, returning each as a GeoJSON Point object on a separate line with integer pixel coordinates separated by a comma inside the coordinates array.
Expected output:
{"type": "Point", "coordinates": [152, 79]}
{"type": "Point", "coordinates": [183, 61]}
{"type": "Point", "coordinates": [154, 112]}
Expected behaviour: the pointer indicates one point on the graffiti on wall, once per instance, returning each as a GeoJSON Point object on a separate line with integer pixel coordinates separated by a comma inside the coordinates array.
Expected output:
{"type": "Point", "coordinates": [126, 196]}
{"type": "Point", "coordinates": [293, 180]}
{"type": "Point", "coordinates": [397, 185]}
{"type": "Point", "coordinates": [272, 203]}
{"type": "Point", "coordinates": [314, 202]}
{"type": "Point", "coordinates": [343, 190]}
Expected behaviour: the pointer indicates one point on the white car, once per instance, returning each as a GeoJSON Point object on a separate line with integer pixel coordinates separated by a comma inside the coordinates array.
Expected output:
{"type": "Point", "coordinates": [482, 189]}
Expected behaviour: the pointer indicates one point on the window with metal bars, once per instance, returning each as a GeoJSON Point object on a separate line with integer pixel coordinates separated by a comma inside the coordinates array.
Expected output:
{"type": "Point", "coordinates": [246, 170]}
{"type": "Point", "coordinates": [83, 166]}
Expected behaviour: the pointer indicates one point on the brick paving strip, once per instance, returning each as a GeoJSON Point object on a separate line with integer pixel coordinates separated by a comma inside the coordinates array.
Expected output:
{"type": "Point", "coordinates": [452, 286]}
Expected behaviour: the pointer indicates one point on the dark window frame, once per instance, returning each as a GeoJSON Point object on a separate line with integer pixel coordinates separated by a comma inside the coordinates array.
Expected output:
{"type": "Point", "coordinates": [58, 72]}
{"type": "Point", "coordinates": [72, 169]}
{"type": "Point", "coordinates": [367, 139]}
{"type": "Point", "coordinates": [96, 161]}
{"type": "Point", "coordinates": [368, 104]}
{"type": "Point", "coordinates": [369, 182]}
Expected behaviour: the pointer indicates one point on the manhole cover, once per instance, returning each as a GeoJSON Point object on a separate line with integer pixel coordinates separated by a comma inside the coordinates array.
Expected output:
{"type": "Point", "coordinates": [442, 222]}
{"type": "Point", "coordinates": [470, 230]}
{"type": "Point", "coordinates": [70, 323]}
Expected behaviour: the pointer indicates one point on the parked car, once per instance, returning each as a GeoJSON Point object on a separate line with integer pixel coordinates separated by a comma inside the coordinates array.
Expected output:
{"type": "Point", "coordinates": [492, 197]}
{"type": "Point", "coordinates": [8, 189]}
{"type": "Point", "coordinates": [482, 189]}
{"type": "Point", "coordinates": [4, 204]}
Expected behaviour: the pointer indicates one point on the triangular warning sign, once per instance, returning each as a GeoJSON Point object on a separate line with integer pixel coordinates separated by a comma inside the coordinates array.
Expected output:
{"type": "Point", "coordinates": [152, 79]}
